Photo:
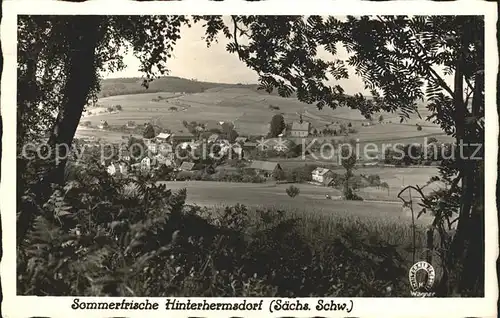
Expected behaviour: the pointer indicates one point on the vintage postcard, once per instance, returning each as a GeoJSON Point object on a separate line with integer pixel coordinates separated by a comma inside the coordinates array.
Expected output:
{"type": "Point", "coordinates": [300, 159]}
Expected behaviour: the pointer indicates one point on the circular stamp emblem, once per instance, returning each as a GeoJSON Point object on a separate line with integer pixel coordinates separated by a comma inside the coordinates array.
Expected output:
{"type": "Point", "coordinates": [422, 276]}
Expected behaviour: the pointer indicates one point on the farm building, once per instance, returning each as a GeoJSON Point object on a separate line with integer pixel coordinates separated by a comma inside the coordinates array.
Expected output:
{"type": "Point", "coordinates": [187, 166]}
{"type": "Point", "coordinates": [163, 137]}
{"type": "Point", "coordinates": [300, 129]}
{"type": "Point", "coordinates": [265, 168]}
{"type": "Point", "coordinates": [322, 175]}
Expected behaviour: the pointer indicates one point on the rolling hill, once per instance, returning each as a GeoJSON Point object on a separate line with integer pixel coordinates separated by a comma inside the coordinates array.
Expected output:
{"type": "Point", "coordinates": [171, 100]}
{"type": "Point", "coordinates": [128, 86]}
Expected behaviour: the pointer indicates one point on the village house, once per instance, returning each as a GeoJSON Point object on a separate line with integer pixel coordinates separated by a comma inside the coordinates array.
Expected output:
{"type": "Point", "coordinates": [300, 129]}
{"type": "Point", "coordinates": [265, 168]}
{"type": "Point", "coordinates": [322, 175]}
{"type": "Point", "coordinates": [146, 164]}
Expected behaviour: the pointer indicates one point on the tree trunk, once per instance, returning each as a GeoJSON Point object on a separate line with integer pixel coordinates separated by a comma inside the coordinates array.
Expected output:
{"type": "Point", "coordinates": [83, 35]}
{"type": "Point", "coordinates": [467, 253]}
{"type": "Point", "coordinates": [473, 280]}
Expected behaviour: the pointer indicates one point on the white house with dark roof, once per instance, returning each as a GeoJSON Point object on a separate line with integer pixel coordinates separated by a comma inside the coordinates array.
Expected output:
{"type": "Point", "coordinates": [321, 175]}
{"type": "Point", "coordinates": [300, 129]}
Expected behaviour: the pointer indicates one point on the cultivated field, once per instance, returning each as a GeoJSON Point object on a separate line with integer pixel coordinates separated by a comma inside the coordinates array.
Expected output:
{"type": "Point", "coordinates": [251, 113]}
{"type": "Point", "coordinates": [109, 136]}
{"type": "Point", "coordinates": [310, 200]}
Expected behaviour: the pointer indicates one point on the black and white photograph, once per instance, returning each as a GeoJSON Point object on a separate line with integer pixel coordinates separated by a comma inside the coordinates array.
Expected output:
{"type": "Point", "coordinates": [251, 156]}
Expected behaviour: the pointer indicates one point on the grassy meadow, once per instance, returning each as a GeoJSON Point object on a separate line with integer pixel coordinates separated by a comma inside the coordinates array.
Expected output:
{"type": "Point", "coordinates": [311, 200]}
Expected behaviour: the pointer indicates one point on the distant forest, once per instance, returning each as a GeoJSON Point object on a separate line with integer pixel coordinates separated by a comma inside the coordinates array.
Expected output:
{"type": "Point", "coordinates": [123, 86]}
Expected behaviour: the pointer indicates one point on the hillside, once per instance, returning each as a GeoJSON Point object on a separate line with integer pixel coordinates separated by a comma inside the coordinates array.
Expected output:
{"type": "Point", "coordinates": [128, 86]}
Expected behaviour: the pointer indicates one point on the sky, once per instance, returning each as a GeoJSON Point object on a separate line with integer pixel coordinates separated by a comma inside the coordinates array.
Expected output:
{"type": "Point", "coordinates": [192, 59]}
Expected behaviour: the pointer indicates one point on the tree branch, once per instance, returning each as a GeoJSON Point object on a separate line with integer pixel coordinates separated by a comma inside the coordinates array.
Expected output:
{"type": "Point", "coordinates": [431, 71]}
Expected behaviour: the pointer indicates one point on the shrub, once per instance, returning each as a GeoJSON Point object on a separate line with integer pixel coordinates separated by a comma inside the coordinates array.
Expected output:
{"type": "Point", "coordinates": [432, 140]}
{"type": "Point", "coordinates": [184, 175]}
{"type": "Point", "coordinates": [149, 132]}
{"type": "Point", "coordinates": [100, 236]}
{"type": "Point", "coordinates": [292, 191]}
{"type": "Point", "coordinates": [350, 195]}
{"type": "Point", "coordinates": [419, 128]}
{"type": "Point", "coordinates": [118, 107]}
